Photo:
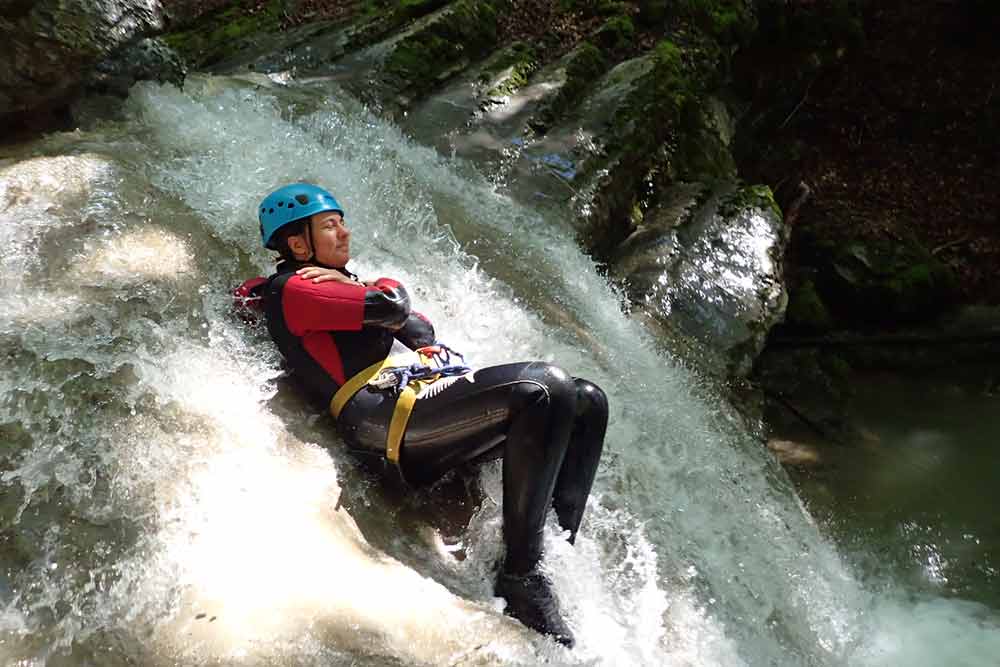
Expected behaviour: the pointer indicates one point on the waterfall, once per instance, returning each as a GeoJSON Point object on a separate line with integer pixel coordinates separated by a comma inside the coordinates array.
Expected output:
{"type": "Point", "coordinates": [167, 499]}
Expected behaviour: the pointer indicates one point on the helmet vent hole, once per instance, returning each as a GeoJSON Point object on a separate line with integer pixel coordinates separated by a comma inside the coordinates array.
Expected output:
{"type": "Point", "coordinates": [302, 199]}
{"type": "Point", "coordinates": [270, 210]}
{"type": "Point", "coordinates": [281, 203]}
{"type": "Point", "coordinates": [291, 206]}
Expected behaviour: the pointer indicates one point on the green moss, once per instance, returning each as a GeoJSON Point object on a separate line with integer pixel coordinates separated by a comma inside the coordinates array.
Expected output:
{"type": "Point", "coordinates": [839, 370]}
{"type": "Point", "coordinates": [222, 34]}
{"type": "Point", "coordinates": [381, 17]}
{"type": "Point", "coordinates": [616, 33]}
{"type": "Point", "coordinates": [875, 282]}
{"type": "Point", "coordinates": [661, 95]}
{"type": "Point", "coordinates": [640, 136]}
{"type": "Point", "coordinates": [519, 60]}
{"type": "Point", "coordinates": [585, 64]}
{"type": "Point", "coordinates": [806, 309]}
{"type": "Point", "coordinates": [727, 20]}
{"type": "Point", "coordinates": [918, 289]}
{"type": "Point", "coordinates": [915, 277]}
{"type": "Point", "coordinates": [715, 29]}
{"type": "Point", "coordinates": [700, 151]}
{"type": "Point", "coordinates": [751, 197]}
{"type": "Point", "coordinates": [467, 31]}
{"type": "Point", "coordinates": [636, 216]}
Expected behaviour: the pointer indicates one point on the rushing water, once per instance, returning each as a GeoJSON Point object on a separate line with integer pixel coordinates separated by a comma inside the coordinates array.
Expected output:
{"type": "Point", "coordinates": [166, 500]}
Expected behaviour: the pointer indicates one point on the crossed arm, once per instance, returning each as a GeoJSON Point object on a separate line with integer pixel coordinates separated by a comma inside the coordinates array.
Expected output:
{"type": "Point", "coordinates": [351, 305]}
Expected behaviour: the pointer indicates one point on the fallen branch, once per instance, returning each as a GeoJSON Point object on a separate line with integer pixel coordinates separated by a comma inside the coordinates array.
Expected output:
{"type": "Point", "coordinates": [798, 106]}
{"type": "Point", "coordinates": [814, 426]}
{"type": "Point", "coordinates": [950, 244]}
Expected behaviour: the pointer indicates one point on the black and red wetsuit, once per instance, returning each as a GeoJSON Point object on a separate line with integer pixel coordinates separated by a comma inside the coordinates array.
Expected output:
{"type": "Point", "coordinates": [548, 426]}
{"type": "Point", "coordinates": [328, 332]}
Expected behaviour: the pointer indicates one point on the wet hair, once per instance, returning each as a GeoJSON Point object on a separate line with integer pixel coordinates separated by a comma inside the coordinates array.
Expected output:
{"type": "Point", "coordinates": [279, 241]}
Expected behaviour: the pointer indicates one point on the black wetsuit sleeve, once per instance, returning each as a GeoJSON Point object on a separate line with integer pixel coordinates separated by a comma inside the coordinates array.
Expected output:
{"type": "Point", "coordinates": [416, 332]}
{"type": "Point", "coordinates": [387, 305]}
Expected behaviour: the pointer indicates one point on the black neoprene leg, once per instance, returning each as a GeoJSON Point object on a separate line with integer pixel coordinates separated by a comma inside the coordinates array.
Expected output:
{"type": "Point", "coordinates": [543, 410]}
{"type": "Point", "coordinates": [529, 408]}
{"type": "Point", "coordinates": [579, 467]}
{"type": "Point", "coordinates": [548, 427]}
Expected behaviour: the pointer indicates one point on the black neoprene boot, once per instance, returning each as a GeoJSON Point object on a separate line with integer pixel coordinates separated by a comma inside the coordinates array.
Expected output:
{"type": "Point", "coordinates": [530, 599]}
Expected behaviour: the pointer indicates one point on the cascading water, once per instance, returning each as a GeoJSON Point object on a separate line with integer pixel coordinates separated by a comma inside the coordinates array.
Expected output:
{"type": "Point", "coordinates": [166, 501]}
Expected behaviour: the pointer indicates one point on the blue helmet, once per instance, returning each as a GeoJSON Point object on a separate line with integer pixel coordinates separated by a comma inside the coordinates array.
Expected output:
{"type": "Point", "coordinates": [291, 203]}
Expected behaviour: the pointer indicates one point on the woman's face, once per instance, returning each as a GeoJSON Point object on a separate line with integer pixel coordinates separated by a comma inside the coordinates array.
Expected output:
{"type": "Point", "coordinates": [331, 239]}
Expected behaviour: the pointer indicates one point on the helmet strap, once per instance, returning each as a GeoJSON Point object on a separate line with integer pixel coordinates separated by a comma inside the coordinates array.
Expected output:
{"type": "Point", "coordinates": [309, 242]}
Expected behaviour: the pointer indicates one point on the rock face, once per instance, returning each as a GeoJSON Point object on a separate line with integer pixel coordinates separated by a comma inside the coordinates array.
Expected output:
{"type": "Point", "coordinates": [884, 282]}
{"type": "Point", "coordinates": [52, 50]}
{"type": "Point", "coordinates": [148, 59]}
{"type": "Point", "coordinates": [707, 267]}
{"type": "Point", "coordinates": [597, 126]}
{"type": "Point", "coordinates": [48, 47]}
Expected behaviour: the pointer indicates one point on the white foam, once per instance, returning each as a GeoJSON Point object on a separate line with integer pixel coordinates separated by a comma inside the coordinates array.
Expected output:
{"type": "Point", "coordinates": [135, 256]}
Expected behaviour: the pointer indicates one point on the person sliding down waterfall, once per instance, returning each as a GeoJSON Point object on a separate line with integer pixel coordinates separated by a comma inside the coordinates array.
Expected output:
{"type": "Point", "coordinates": [400, 398]}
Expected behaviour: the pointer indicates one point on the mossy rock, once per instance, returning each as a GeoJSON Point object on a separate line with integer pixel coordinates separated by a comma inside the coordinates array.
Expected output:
{"type": "Point", "coordinates": [617, 33]}
{"type": "Point", "coordinates": [883, 283]}
{"type": "Point", "coordinates": [464, 31]}
{"type": "Point", "coordinates": [509, 70]}
{"type": "Point", "coordinates": [716, 29]}
{"type": "Point", "coordinates": [806, 310]}
{"type": "Point", "coordinates": [221, 35]}
{"type": "Point", "coordinates": [751, 196]}
{"type": "Point", "coordinates": [808, 387]}
{"type": "Point", "coordinates": [655, 106]}
{"type": "Point", "coordinates": [584, 65]}
{"type": "Point", "coordinates": [650, 116]}
{"type": "Point", "coordinates": [380, 18]}
{"type": "Point", "coordinates": [732, 21]}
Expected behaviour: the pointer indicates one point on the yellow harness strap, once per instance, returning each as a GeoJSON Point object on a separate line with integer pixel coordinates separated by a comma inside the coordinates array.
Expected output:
{"type": "Point", "coordinates": [397, 426]}
{"type": "Point", "coordinates": [404, 404]}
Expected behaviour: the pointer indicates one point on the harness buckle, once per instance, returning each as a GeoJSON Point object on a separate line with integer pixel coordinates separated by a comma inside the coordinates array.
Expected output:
{"type": "Point", "coordinates": [386, 380]}
{"type": "Point", "coordinates": [436, 364]}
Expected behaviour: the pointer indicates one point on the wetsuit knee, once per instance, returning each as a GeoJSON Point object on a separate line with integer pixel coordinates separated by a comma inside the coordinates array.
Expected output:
{"type": "Point", "coordinates": [590, 399]}
{"type": "Point", "coordinates": [541, 382]}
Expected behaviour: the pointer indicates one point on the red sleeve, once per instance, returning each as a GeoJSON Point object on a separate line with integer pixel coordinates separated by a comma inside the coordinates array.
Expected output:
{"type": "Point", "coordinates": [327, 306]}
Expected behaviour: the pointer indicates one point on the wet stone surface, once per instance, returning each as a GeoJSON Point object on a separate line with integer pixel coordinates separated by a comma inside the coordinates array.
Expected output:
{"type": "Point", "coordinates": [707, 266]}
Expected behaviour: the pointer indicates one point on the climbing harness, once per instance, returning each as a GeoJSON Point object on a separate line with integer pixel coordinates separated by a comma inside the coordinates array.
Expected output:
{"type": "Point", "coordinates": [404, 375]}
{"type": "Point", "coordinates": [440, 355]}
